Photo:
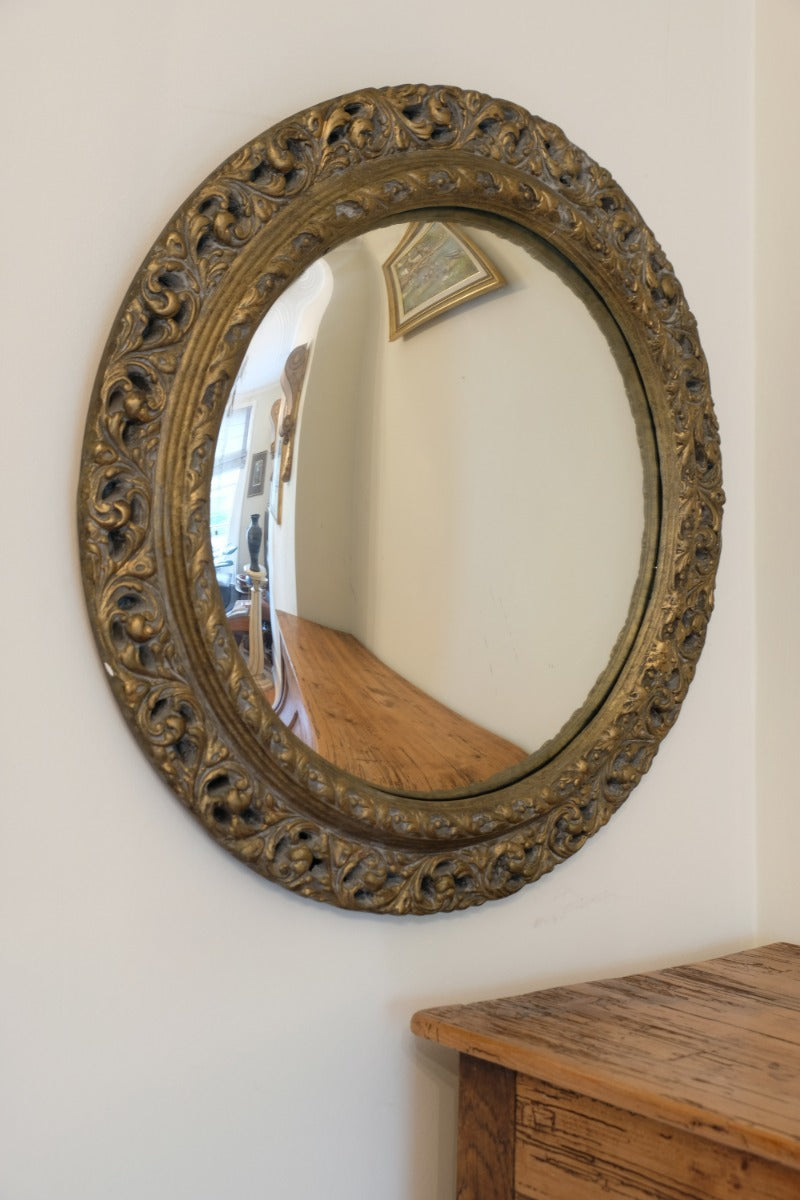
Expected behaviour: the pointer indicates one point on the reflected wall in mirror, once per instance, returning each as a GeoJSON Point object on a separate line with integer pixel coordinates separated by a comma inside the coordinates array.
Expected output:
{"type": "Point", "coordinates": [409, 640]}
{"type": "Point", "coordinates": [503, 524]}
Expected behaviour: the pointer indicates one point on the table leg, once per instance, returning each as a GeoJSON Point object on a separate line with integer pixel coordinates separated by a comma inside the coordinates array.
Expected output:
{"type": "Point", "coordinates": [486, 1102]}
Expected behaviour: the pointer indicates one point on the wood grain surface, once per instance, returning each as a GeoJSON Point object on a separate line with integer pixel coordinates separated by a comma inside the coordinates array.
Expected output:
{"type": "Point", "coordinates": [486, 1108]}
{"type": "Point", "coordinates": [368, 720]}
{"type": "Point", "coordinates": [569, 1147]}
{"type": "Point", "coordinates": [712, 1048]}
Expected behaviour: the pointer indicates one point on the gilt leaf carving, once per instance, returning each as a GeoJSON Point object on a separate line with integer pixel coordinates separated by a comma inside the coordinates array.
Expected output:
{"type": "Point", "coordinates": [246, 233]}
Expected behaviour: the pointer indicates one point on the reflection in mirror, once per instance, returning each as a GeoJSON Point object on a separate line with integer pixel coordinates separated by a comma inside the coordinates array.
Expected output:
{"type": "Point", "coordinates": [456, 514]}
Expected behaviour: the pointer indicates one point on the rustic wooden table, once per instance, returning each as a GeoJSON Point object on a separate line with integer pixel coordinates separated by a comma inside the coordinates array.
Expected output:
{"type": "Point", "coordinates": [677, 1085]}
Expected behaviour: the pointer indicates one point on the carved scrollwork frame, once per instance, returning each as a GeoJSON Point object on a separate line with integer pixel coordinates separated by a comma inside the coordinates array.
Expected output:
{"type": "Point", "coordinates": [257, 222]}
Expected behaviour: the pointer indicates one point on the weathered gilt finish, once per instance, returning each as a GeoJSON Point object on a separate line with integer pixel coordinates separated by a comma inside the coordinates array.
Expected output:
{"type": "Point", "coordinates": [291, 194]}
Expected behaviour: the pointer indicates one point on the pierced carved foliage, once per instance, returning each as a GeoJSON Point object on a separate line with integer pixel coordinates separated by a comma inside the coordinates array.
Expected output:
{"type": "Point", "coordinates": [328, 173]}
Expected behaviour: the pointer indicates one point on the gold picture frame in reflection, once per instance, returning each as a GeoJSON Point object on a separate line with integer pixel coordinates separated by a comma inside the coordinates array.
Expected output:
{"type": "Point", "coordinates": [276, 449]}
{"type": "Point", "coordinates": [433, 269]}
{"type": "Point", "coordinates": [284, 416]}
{"type": "Point", "coordinates": [258, 467]}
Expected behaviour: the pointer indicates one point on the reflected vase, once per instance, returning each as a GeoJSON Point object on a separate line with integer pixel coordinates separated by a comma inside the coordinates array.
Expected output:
{"type": "Point", "coordinates": [254, 535]}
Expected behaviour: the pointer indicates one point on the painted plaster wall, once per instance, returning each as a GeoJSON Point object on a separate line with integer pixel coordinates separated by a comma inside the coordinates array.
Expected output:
{"type": "Point", "coordinates": [172, 1026]}
{"type": "Point", "coordinates": [328, 488]}
{"type": "Point", "coordinates": [777, 448]}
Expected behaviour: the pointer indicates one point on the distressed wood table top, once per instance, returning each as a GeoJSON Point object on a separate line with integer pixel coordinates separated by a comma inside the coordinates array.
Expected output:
{"type": "Point", "coordinates": [712, 1048]}
{"type": "Point", "coordinates": [370, 721]}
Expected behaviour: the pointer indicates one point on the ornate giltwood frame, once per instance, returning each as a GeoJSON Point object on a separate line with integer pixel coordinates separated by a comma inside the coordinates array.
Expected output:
{"type": "Point", "coordinates": [255, 224]}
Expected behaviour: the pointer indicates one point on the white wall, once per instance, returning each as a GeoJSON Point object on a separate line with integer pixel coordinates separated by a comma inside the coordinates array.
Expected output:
{"type": "Point", "coordinates": [174, 1027]}
{"type": "Point", "coordinates": [778, 453]}
{"type": "Point", "coordinates": [505, 484]}
{"type": "Point", "coordinates": [325, 485]}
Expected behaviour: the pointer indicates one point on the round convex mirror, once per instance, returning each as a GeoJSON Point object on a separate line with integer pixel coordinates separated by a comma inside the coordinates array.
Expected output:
{"type": "Point", "coordinates": [458, 518]}
{"type": "Point", "coordinates": [423, 628]}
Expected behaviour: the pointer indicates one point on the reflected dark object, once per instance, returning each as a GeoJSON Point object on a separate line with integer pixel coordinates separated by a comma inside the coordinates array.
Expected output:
{"type": "Point", "coordinates": [254, 536]}
{"type": "Point", "coordinates": [225, 570]}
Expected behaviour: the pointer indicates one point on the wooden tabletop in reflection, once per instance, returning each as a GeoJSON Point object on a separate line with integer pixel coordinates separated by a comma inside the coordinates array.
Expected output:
{"type": "Point", "coordinates": [368, 720]}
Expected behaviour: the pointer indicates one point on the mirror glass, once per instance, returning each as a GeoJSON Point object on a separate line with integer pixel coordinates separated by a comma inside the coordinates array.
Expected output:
{"type": "Point", "coordinates": [441, 449]}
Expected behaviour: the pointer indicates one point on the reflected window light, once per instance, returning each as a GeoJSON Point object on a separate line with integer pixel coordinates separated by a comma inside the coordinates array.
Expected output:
{"type": "Point", "coordinates": [227, 482]}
